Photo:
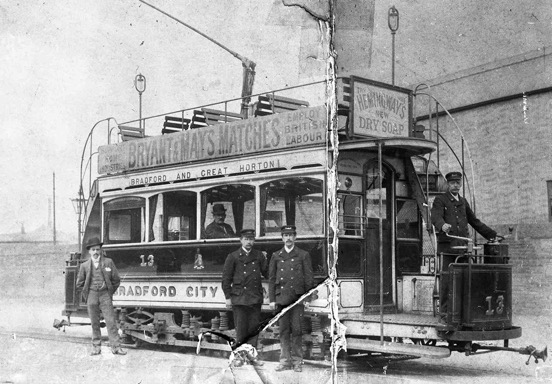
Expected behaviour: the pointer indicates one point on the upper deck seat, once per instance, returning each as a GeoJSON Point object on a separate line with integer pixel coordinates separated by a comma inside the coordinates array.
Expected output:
{"type": "Point", "coordinates": [343, 102]}
{"type": "Point", "coordinates": [174, 124]}
{"type": "Point", "coordinates": [130, 133]}
{"type": "Point", "coordinates": [270, 103]}
{"type": "Point", "coordinates": [206, 117]}
{"type": "Point", "coordinates": [215, 116]}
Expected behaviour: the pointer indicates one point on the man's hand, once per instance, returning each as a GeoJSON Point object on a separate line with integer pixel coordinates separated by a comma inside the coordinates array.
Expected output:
{"type": "Point", "coordinates": [228, 303]}
{"type": "Point", "coordinates": [272, 306]}
{"type": "Point", "coordinates": [446, 228]}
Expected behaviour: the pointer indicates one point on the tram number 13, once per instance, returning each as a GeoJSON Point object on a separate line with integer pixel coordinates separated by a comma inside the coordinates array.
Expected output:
{"type": "Point", "coordinates": [499, 305]}
{"type": "Point", "coordinates": [148, 263]}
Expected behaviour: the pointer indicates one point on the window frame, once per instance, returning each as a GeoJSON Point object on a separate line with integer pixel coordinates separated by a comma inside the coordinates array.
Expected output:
{"type": "Point", "coordinates": [142, 219]}
{"type": "Point", "coordinates": [277, 234]}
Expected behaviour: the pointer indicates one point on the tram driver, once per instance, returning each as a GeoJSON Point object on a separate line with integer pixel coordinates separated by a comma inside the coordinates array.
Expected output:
{"type": "Point", "coordinates": [218, 228]}
{"type": "Point", "coordinates": [451, 214]}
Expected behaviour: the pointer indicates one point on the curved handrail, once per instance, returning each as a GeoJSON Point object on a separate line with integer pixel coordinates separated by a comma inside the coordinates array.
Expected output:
{"type": "Point", "coordinates": [471, 193]}
{"type": "Point", "coordinates": [86, 169]}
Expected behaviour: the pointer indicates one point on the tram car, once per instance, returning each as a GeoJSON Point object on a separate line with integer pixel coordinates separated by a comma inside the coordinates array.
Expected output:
{"type": "Point", "coordinates": [357, 180]}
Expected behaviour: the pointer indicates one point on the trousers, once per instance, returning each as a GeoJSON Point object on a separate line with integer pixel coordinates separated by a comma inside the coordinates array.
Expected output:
{"type": "Point", "coordinates": [448, 256]}
{"type": "Point", "coordinates": [101, 302]}
{"type": "Point", "coordinates": [246, 320]}
{"type": "Point", "coordinates": [291, 336]}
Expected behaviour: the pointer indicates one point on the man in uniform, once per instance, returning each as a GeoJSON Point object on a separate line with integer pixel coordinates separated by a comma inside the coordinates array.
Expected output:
{"type": "Point", "coordinates": [451, 214]}
{"type": "Point", "coordinates": [218, 229]}
{"type": "Point", "coordinates": [242, 287]}
{"type": "Point", "coordinates": [290, 276]}
{"type": "Point", "coordinates": [99, 279]}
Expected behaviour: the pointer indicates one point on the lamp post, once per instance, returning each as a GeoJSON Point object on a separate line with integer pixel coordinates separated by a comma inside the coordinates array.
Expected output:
{"type": "Point", "coordinates": [393, 22]}
{"type": "Point", "coordinates": [140, 85]}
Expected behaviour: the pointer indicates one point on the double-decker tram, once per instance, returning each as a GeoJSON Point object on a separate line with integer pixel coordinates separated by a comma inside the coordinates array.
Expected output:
{"type": "Point", "coordinates": [356, 185]}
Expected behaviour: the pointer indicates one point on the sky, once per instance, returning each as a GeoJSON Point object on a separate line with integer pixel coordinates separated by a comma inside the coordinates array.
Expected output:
{"type": "Point", "coordinates": [66, 65]}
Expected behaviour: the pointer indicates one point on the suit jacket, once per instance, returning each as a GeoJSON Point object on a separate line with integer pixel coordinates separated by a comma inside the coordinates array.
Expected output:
{"type": "Point", "coordinates": [290, 275]}
{"type": "Point", "coordinates": [242, 277]}
{"type": "Point", "coordinates": [109, 271]}
{"type": "Point", "coordinates": [218, 231]}
{"type": "Point", "coordinates": [446, 209]}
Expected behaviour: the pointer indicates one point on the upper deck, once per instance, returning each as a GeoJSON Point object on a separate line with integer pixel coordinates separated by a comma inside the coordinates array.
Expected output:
{"type": "Point", "coordinates": [275, 122]}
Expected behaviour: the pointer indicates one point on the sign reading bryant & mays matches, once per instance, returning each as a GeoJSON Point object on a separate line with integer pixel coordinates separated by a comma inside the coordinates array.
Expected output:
{"type": "Point", "coordinates": [380, 110]}
{"type": "Point", "coordinates": [303, 127]}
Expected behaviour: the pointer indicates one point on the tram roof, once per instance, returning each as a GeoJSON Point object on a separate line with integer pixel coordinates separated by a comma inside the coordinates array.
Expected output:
{"type": "Point", "coordinates": [411, 145]}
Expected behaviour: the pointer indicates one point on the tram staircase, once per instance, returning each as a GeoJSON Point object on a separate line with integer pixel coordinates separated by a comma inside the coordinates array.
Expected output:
{"type": "Point", "coordinates": [424, 197]}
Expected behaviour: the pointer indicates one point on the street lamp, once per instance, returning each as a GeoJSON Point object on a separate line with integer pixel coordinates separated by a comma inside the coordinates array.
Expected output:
{"type": "Point", "coordinates": [393, 22]}
{"type": "Point", "coordinates": [78, 205]}
{"type": "Point", "coordinates": [140, 85]}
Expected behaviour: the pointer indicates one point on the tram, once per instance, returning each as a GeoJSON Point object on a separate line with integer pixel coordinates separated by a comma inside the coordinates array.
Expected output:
{"type": "Point", "coordinates": [356, 178]}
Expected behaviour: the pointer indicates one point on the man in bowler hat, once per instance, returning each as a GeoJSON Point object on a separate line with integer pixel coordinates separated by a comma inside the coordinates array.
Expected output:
{"type": "Point", "coordinates": [451, 214]}
{"type": "Point", "coordinates": [290, 276]}
{"type": "Point", "coordinates": [99, 279]}
{"type": "Point", "coordinates": [242, 287]}
{"type": "Point", "coordinates": [218, 229]}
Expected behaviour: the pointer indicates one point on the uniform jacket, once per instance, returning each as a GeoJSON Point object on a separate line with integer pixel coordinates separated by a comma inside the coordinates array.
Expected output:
{"type": "Point", "coordinates": [290, 275]}
{"type": "Point", "coordinates": [446, 209]}
{"type": "Point", "coordinates": [109, 271]}
{"type": "Point", "coordinates": [241, 277]}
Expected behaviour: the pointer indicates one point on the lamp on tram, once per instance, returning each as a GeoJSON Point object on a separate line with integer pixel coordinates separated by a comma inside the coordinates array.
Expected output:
{"type": "Point", "coordinates": [393, 22]}
{"type": "Point", "coordinates": [78, 205]}
{"type": "Point", "coordinates": [140, 85]}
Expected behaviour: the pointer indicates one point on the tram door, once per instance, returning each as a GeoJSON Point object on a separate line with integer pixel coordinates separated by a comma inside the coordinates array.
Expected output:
{"type": "Point", "coordinates": [373, 213]}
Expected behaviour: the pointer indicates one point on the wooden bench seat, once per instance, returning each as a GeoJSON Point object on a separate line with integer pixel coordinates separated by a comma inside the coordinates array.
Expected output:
{"type": "Point", "coordinates": [174, 124]}
{"type": "Point", "coordinates": [270, 103]}
{"type": "Point", "coordinates": [206, 117]}
{"type": "Point", "coordinates": [130, 133]}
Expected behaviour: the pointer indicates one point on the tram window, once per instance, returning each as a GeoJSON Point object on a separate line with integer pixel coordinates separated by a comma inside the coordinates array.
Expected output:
{"type": "Point", "coordinates": [350, 215]}
{"type": "Point", "coordinates": [349, 262]}
{"type": "Point", "coordinates": [409, 257]}
{"type": "Point", "coordinates": [173, 216]}
{"type": "Point", "coordinates": [124, 220]}
{"type": "Point", "coordinates": [226, 210]}
{"type": "Point", "coordinates": [408, 223]}
{"type": "Point", "coordinates": [295, 201]}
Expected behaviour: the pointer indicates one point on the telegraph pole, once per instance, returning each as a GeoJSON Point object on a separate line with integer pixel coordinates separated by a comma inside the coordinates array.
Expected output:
{"type": "Point", "coordinates": [54, 207]}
